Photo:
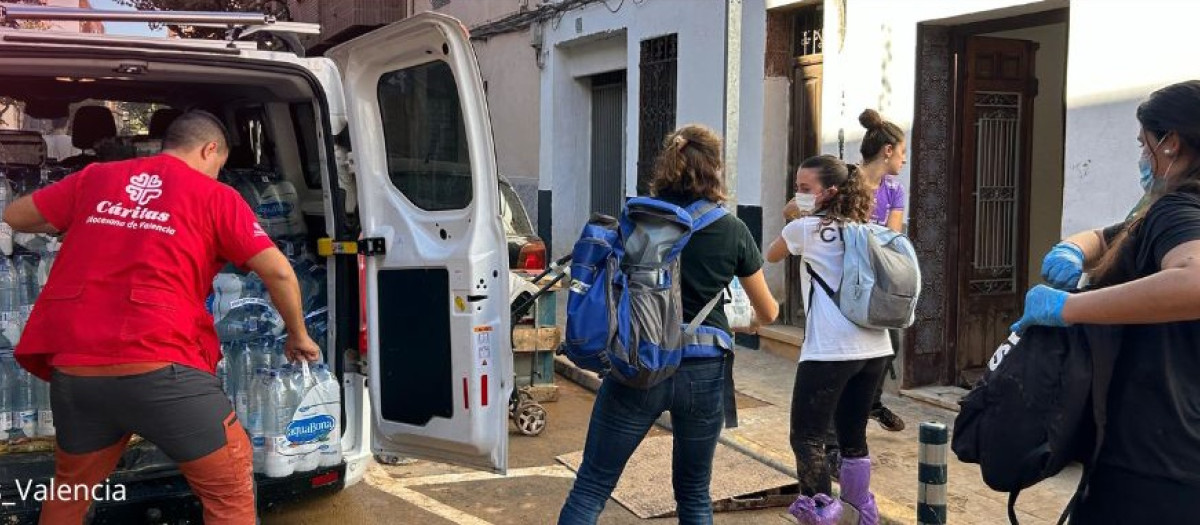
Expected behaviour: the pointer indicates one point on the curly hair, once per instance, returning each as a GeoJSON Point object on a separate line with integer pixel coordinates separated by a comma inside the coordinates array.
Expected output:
{"type": "Point", "coordinates": [852, 201]}
{"type": "Point", "coordinates": [690, 164]}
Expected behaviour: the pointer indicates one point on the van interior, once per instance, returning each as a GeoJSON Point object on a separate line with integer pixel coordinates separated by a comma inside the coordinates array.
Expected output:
{"type": "Point", "coordinates": [112, 109]}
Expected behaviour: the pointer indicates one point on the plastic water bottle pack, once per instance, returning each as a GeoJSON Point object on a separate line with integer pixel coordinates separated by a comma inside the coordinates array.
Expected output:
{"type": "Point", "coordinates": [24, 404]}
{"type": "Point", "coordinates": [291, 411]}
{"type": "Point", "coordinates": [273, 199]}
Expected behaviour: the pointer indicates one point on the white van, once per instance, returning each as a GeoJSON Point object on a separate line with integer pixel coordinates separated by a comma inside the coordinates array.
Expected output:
{"type": "Point", "coordinates": [422, 205]}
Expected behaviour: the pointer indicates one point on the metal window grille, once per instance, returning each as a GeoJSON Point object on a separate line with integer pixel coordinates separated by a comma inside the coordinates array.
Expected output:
{"type": "Point", "coordinates": [997, 172]}
{"type": "Point", "coordinates": [656, 105]}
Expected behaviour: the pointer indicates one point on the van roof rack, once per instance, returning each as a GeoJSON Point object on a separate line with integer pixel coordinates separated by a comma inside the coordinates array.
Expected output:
{"type": "Point", "coordinates": [238, 25]}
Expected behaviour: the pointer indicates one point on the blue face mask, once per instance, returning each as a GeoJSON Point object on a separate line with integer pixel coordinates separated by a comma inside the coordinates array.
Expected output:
{"type": "Point", "coordinates": [1147, 170]}
{"type": "Point", "coordinates": [1147, 173]}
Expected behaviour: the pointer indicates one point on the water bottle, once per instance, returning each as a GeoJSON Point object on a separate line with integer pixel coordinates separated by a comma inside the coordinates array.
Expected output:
{"type": "Point", "coordinates": [317, 324]}
{"type": "Point", "coordinates": [331, 450]}
{"type": "Point", "coordinates": [313, 282]}
{"type": "Point", "coordinates": [10, 295]}
{"type": "Point", "coordinates": [249, 318]}
{"type": "Point", "coordinates": [279, 460]}
{"type": "Point", "coordinates": [6, 231]}
{"type": "Point", "coordinates": [278, 357]}
{"type": "Point", "coordinates": [304, 442]}
{"type": "Point", "coordinates": [7, 389]}
{"type": "Point", "coordinates": [24, 408]}
{"type": "Point", "coordinates": [222, 374]}
{"type": "Point", "coordinates": [25, 266]}
{"type": "Point", "coordinates": [256, 417]}
{"type": "Point", "coordinates": [262, 354]}
{"type": "Point", "coordinates": [293, 377]}
{"type": "Point", "coordinates": [46, 262]}
{"type": "Point", "coordinates": [278, 207]}
{"type": "Point", "coordinates": [10, 305]}
{"type": "Point", "coordinates": [227, 288]}
{"type": "Point", "coordinates": [244, 381]}
{"type": "Point", "coordinates": [45, 416]}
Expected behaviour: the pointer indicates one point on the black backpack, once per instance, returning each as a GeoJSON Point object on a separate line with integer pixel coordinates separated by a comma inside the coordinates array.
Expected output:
{"type": "Point", "coordinates": [1040, 406]}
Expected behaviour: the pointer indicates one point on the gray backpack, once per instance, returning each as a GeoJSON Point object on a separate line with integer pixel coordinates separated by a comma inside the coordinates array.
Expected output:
{"type": "Point", "coordinates": [881, 277]}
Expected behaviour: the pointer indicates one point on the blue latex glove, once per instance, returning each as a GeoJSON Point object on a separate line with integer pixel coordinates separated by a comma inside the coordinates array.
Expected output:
{"type": "Point", "coordinates": [1043, 307]}
{"type": "Point", "coordinates": [1063, 266]}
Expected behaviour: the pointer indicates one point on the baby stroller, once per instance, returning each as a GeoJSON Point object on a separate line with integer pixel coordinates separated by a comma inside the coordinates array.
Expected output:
{"type": "Point", "coordinates": [525, 412]}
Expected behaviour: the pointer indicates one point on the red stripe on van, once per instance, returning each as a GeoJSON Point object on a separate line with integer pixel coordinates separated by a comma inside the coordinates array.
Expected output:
{"type": "Point", "coordinates": [483, 389]}
{"type": "Point", "coordinates": [466, 396]}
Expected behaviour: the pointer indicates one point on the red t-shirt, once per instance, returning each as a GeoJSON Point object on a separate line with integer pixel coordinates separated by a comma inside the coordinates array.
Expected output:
{"type": "Point", "coordinates": [143, 240]}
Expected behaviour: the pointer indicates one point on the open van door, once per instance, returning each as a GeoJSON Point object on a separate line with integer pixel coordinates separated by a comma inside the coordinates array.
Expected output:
{"type": "Point", "coordinates": [439, 347]}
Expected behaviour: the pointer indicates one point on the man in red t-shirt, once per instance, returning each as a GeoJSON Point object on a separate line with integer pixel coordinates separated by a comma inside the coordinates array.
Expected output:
{"type": "Point", "coordinates": [120, 329]}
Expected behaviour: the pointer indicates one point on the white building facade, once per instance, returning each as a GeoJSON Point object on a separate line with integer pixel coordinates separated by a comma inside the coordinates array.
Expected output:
{"type": "Point", "coordinates": [618, 76]}
{"type": "Point", "coordinates": [1020, 131]}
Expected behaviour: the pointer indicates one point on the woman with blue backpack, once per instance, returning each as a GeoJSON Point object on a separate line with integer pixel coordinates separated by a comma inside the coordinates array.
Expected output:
{"type": "Point", "coordinates": [687, 176]}
{"type": "Point", "coordinates": [1145, 276]}
{"type": "Point", "coordinates": [841, 363]}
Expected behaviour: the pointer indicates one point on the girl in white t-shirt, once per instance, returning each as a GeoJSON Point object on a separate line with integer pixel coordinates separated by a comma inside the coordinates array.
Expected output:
{"type": "Point", "coordinates": [841, 363]}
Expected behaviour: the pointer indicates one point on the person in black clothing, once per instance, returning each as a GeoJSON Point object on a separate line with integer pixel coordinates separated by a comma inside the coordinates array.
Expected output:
{"type": "Point", "coordinates": [1146, 276]}
{"type": "Point", "coordinates": [687, 170]}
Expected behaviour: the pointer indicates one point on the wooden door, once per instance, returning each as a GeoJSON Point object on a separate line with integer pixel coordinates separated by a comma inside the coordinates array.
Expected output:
{"type": "Point", "coordinates": [805, 140]}
{"type": "Point", "coordinates": [996, 128]}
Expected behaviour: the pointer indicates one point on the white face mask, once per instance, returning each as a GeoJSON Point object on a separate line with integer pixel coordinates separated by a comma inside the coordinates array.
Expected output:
{"type": "Point", "coordinates": [806, 202]}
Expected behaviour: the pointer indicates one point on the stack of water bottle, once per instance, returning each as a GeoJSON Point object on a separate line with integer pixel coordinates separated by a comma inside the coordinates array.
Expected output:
{"type": "Point", "coordinates": [24, 400]}
{"type": "Point", "coordinates": [25, 415]}
{"type": "Point", "coordinates": [290, 410]}
{"type": "Point", "coordinates": [25, 261]}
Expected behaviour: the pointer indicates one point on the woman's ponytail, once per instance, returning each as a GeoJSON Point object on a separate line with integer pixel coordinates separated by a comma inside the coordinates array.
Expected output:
{"type": "Point", "coordinates": [690, 164]}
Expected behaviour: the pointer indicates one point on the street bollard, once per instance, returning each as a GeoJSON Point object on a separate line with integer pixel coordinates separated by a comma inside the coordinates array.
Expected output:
{"type": "Point", "coordinates": [931, 474]}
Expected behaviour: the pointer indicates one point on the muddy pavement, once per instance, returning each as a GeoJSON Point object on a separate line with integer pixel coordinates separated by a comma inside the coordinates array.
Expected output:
{"type": "Point", "coordinates": [434, 493]}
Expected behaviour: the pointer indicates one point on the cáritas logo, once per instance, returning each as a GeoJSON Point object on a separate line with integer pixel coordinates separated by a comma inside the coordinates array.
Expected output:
{"type": "Point", "coordinates": [144, 188]}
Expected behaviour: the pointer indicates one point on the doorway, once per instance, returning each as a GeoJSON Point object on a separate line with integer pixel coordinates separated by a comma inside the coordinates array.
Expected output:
{"type": "Point", "coordinates": [986, 188]}
{"type": "Point", "coordinates": [804, 134]}
{"type": "Point", "coordinates": [996, 127]}
{"type": "Point", "coordinates": [608, 143]}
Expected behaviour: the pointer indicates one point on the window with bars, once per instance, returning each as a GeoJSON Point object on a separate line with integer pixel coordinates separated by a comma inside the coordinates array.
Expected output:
{"type": "Point", "coordinates": [656, 104]}
{"type": "Point", "coordinates": [807, 31]}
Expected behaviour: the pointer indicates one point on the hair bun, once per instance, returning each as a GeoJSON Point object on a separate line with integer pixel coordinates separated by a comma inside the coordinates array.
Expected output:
{"type": "Point", "coordinates": [870, 119]}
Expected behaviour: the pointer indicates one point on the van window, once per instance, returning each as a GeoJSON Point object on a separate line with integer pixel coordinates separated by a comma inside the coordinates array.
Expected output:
{"type": "Point", "coordinates": [252, 146]}
{"type": "Point", "coordinates": [425, 136]}
{"type": "Point", "coordinates": [304, 121]}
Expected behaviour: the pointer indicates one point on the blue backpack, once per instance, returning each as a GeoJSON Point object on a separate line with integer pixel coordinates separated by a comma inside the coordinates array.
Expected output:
{"type": "Point", "coordinates": [624, 312]}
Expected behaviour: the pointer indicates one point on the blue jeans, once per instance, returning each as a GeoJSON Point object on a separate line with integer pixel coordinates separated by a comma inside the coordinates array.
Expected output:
{"type": "Point", "coordinates": [621, 417]}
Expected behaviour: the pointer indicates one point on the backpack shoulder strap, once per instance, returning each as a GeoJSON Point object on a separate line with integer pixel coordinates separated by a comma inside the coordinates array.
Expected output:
{"type": "Point", "coordinates": [703, 314]}
{"type": "Point", "coordinates": [704, 213]}
{"type": "Point", "coordinates": [817, 279]}
{"type": "Point", "coordinates": [1012, 507]}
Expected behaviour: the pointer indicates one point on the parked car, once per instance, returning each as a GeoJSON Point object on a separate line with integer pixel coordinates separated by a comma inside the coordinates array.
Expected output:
{"type": "Point", "coordinates": [526, 251]}
{"type": "Point", "coordinates": [435, 276]}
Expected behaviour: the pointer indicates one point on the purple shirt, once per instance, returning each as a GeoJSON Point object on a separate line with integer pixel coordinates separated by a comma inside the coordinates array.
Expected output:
{"type": "Point", "coordinates": [888, 198]}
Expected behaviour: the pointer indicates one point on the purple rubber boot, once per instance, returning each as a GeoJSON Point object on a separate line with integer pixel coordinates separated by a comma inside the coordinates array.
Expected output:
{"type": "Point", "coordinates": [817, 510]}
{"type": "Point", "coordinates": [856, 489]}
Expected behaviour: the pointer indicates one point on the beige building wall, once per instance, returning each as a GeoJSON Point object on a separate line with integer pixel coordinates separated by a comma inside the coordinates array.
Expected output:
{"type": "Point", "coordinates": [508, 63]}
